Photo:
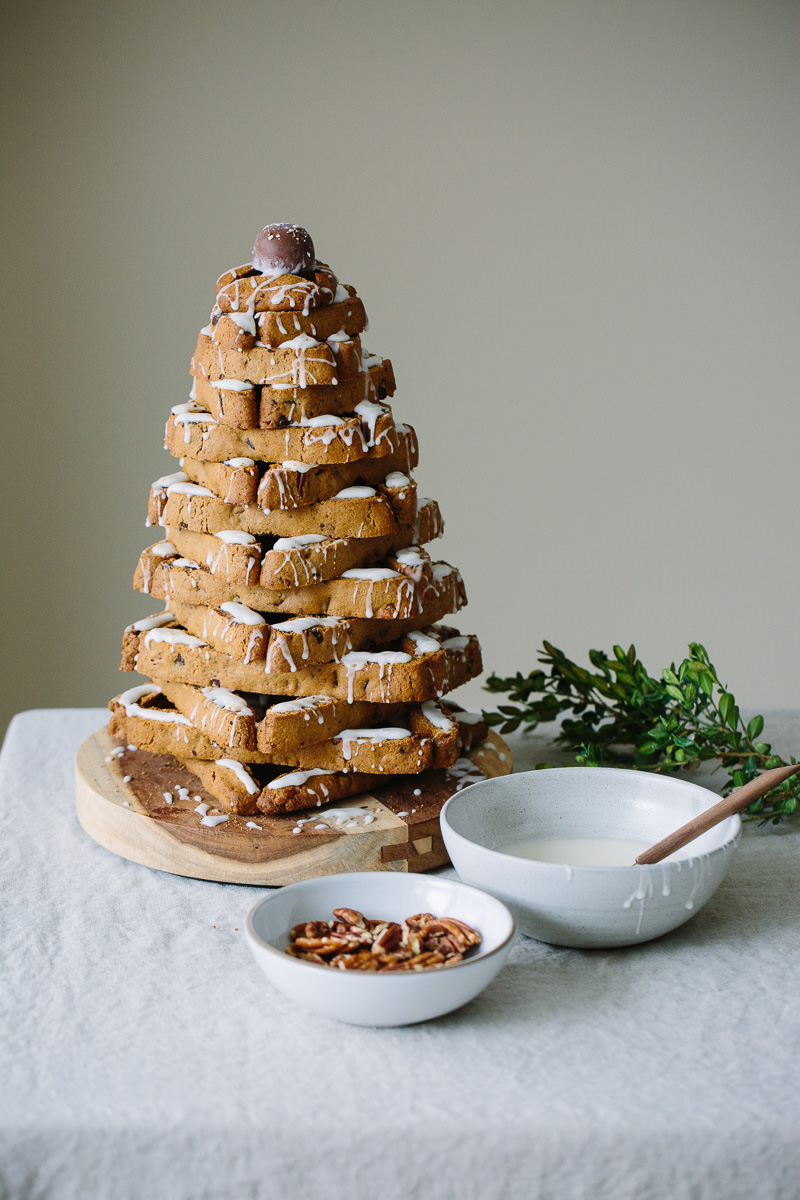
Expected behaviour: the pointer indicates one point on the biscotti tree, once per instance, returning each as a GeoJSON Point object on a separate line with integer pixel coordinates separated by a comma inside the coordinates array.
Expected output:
{"type": "Point", "coordinates": [300, 657]}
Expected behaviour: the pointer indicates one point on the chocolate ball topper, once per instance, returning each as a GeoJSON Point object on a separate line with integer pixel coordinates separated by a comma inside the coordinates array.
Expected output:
{"type": "Point", "coordinates": [284, 250]}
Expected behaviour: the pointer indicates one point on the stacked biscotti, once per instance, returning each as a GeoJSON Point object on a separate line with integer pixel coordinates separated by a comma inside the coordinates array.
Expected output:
{"type": "Point", "coordinates": [301, 656]}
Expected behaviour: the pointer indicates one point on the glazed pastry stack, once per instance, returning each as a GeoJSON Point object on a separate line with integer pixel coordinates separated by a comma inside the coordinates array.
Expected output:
{"type": "Point", "coordinates": [300, 658]}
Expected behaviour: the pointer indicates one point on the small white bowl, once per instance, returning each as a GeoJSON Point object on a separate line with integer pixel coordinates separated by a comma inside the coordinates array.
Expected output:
{"type": "Point", "coordinates": [363, 998]}
{"type": "Point", "coordinates": [587, 906]}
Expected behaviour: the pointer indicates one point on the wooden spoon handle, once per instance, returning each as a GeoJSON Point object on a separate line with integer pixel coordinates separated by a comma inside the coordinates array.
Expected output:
{"type": "Point", "coordinates": [718, 812]}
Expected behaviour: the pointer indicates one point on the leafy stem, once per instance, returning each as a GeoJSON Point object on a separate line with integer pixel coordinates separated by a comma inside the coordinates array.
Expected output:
{"type": "Point", "coordinates": [620, 715]}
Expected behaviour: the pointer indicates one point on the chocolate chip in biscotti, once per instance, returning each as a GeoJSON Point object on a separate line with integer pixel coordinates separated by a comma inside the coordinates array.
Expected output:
{"type": "Point", "coordinates": [284, 250]}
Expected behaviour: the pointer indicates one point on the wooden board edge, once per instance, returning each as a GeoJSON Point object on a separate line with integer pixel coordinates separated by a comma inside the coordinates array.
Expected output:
{"type": "Point", "coordinates": [133, 835]}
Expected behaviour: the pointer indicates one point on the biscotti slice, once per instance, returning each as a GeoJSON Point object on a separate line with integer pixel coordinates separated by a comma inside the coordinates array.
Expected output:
{"type": "Point", "coordinates": [257, 721]}
{"type": "Point", "coordinates": [327, 439]}
{"type": "Point", "coordinates": [143, 717]}
{"type": "Point", "coordinates": [243, 405]}
{"type": "Point", "coordinates": [301, 362]}
{"type": "Point", "coordinates": [279, 406]}
{"type": "Point", "coordinates": [245, 789]}
{"type": "Point", "coordinates": [290, 484]}
{"type": "Point", "coordinates": [293, 562]}
{"type": "Point", "coordinates": [385, 676]}
{"type": "Point", "coordinates": [246, 289]}
{"type": "Point", "coordinates": [241, 331]}
{"type": "Point", "coordinates": [380, 593]}
{"type": "Point", "coordinates": [281, 644]}
{"type": "Point", "coordinates": [354, 512]}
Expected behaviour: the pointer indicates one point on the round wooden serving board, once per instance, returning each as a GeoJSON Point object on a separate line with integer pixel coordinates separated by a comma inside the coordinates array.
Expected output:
{"type": "Point", "coordinates": [133, 820]}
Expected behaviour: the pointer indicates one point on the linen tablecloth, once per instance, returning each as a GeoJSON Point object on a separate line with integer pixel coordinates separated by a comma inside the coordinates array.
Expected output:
{"type": "Point", "coordinates": [145, 1057]}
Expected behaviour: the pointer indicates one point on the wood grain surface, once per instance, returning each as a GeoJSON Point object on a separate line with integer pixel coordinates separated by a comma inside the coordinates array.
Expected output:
{"type": "Point", "coordinates": [133, 819]}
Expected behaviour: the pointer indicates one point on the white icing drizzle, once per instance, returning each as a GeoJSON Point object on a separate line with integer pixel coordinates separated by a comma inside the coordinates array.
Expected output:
{"type": "Point", "coordinates": [369, 411]}
{"type": "Point", "coordinates": [423, 643]}
{"type": "Point", "coordinates": [132, 697]}
{"type": "Point", "coordinates": [146, 623]}
{"type": "Point", "coordinates": [433, 713]}
{"type": "Point", "coordinates": [130, 702]}
{"type": "Point", "coordinates": [296, 543]}
{"type": "Point", "coordinates": [242, 774]}
{"type": "Point", "coordinates": [357, 492]}
{"type": "Point", "coordinates": [239, 462]}
{"type": "Point", "coordinates": [162, 549]}
{"type": "Point", "coordinates": [354, 817]}
{"type": "Point", "coordinates": [372, 573]}
{"type": "Point", "coordinates": [245, 320]}
{"type": "Point", "coordinates": [303, 704]}
{"type": "Point", "coordinates": [168, 480]}
{"type": "Point", "coordinates": [234, 537]}
{"type": "Point", "coordinates": [299, 624]}
{"type": "Point", "coordinates": [360, 737]}
{"type": "Point", "coordinates": [192, 407]}
{"type": "Point", "coordinates": [188, 415]}
{"type": "Point", "coordinates": [188, 489]}
{"type": "Point", "coordinates": [465, 773]}
{"type": "Point", "coordinates": [321, 421]}
{"type": "Point", "coordinates": [227, 700]}
{"type": "Point", "coordinates": [356, 660]}
{"type": "Point", "coordinates": [456, 643]}
{"type": "Point", "coordinates": [173, 637]}
{"type": "Point", "coordinates": [412, 556]}
{"type": "Point", "coordinates": [240, 614]}
{"type": "Point", "coordinates": [303, 341]}
{"type": "Point", "coordinates": [213, 821]}
{"type": "Point", "coordinates": [231, 385]}
{"type": "Point", "coordinates": [296, 778]}
{"type": "Point", "coordinates": [292, 464]}
{"type": "Point", "coordinates": [396, 479]}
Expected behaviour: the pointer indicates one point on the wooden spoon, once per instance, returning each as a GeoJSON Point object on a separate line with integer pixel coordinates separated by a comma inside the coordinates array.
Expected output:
{"type": "Point", "coordinates": [718, 812]}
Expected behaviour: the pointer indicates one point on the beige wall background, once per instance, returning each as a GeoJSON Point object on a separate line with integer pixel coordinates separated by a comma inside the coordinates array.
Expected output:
{"type": "Point", "coordinates": [574, 226]}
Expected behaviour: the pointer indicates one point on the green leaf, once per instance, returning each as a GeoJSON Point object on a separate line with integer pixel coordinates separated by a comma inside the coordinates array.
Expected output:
{"type": "Point", "coordinates": [675, 692]}
{"type": "Point", "coordinates": [727, 709]}
{"type": "Point", "coordinates": [755, 727]}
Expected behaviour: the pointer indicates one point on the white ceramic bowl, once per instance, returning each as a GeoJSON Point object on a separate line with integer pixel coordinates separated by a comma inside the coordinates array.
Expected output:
{"type": "Point", "coordinates": [587, 906]}
{"type": "Point", "coordinates": [362, 998]}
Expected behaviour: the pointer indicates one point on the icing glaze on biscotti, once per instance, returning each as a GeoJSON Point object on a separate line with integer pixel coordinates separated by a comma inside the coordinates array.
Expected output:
{"type": "Point", "coordinates": [327, 439]}
{"type": "Point", "coordinates": [236, 790]}
{"type": "Point", "coordinates": [293, 562]}
{"type": "Point", "coordinates": [163, 573]}
{"type": "Point", "coordinates": [245, 288]}
{"type": "Point", "coordinates": [301, 361]}
{"type": "Point", "coordinates": [292, 484]}
{"type": "Point", "coordinates": [420, 743]}
{"type": "Point", "coordinates": [244, 406]}
{"type": "Point", "coordinates": [357, 512]}
{"type": "Point", "coordinates": [275, 725]}
{"type": "Point", "coordinates": [341, 321]}
{"type": "Point", "coordinates": [387, 675]}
